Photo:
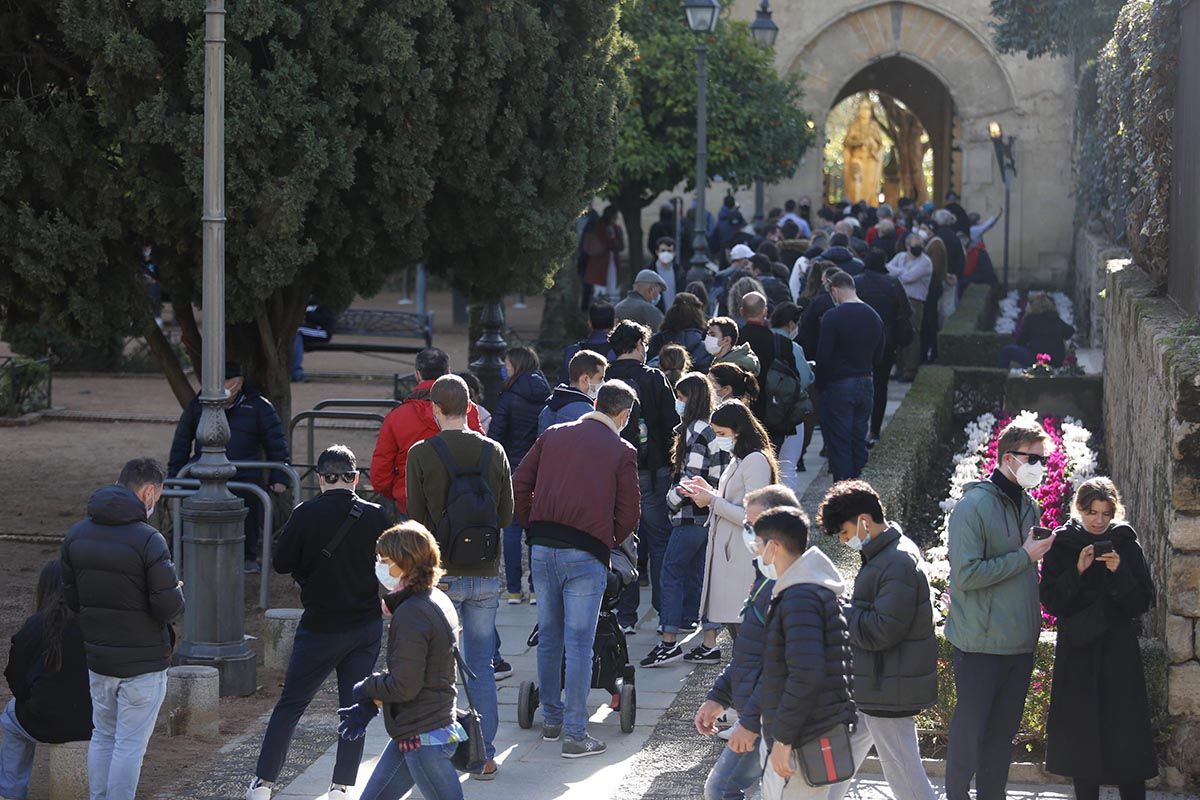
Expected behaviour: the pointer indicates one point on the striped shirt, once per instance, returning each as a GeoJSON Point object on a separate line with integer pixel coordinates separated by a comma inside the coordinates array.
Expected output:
{"type": "Point", "coordinates": [704, 459]}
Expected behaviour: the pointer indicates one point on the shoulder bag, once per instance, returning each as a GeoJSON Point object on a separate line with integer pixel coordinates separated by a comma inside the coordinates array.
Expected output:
{"type": "Point", "coordinates": [470, 756]}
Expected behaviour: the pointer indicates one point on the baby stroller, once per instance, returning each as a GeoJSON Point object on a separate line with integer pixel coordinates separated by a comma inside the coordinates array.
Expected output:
{"type": "Point", "coordinates": [611, 669]}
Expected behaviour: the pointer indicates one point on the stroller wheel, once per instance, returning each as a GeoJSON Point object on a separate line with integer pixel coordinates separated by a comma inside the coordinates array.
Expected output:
{"type": "Point", "coordinates": [628, 708]}
{"type": "Point", "coordinates": [527, 703]}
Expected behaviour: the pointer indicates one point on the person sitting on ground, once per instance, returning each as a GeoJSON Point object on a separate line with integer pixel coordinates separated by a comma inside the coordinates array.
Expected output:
{"type": "Point", "coordinates": [738, 767]}
{"type": "Point", "coordinates": [684, 325]}
{"type": "Point", "coordinates": [674, 362]}
{"type": "Point", "coordinates": [601, 320]}
{"type": "Point", "coordinates": [48, 677]}
{"type": "Point", "coordinates": [722, 344]}
{"type": "Point", "coordinates": [576, 397]}
{"type": "Point", "coordinates": [341, 629]}
{"type": "Point", "coordinates": [1041, 331]}
{"type": "Point", "coordinates": [776, 291]}
{"type": "Point", "coordinates": [641, 304]}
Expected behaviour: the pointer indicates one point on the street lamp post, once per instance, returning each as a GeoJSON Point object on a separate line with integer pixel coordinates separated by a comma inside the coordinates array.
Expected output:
{"type": "Point", "coordinates": [764, 31]}
{"type": "Point", "coordinates": [1008, 170]}
{"type": "Point", "coordinates": [702, 19]}
{"type": "Point", "coordinates": [213, 581]}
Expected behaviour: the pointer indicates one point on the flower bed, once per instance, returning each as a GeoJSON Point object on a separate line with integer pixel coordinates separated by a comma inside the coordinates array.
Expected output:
{"type": "Point", "coordinates": [1012, 307]}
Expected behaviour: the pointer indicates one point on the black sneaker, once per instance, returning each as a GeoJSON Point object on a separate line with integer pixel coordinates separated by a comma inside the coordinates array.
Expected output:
{"type": "Point", "coordinates": [704, 655]}
{"type": "Point", "coordinates": [503, 669]}
{"type": "Point", "coordinates": [663, 653]}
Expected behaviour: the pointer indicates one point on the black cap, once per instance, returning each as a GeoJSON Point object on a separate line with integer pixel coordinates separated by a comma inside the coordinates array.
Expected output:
{"type": "Point", "coordinates": [232, 370]}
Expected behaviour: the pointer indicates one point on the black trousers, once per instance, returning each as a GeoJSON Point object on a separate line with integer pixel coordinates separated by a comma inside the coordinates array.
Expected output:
{"type": "Point", "coordinates": [882, 376]}
{"type": "Point", "coordinates": [252, 526]}
{"type": "Point", "coordinates": [991, 698]}
{"type": "Point", "coordinates": [1085, 790]}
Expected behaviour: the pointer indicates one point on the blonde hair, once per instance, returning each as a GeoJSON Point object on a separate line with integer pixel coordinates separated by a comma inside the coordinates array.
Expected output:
{"type": "Point", "coordinates": [1097, 489]}
{"type": "Point", "coordinates": [412, 548]}
{"type": "Point", "coordinates": [1041, 303]}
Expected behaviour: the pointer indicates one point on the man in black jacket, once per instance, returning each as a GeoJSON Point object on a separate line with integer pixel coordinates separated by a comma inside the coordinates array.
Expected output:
{"type": "Point", "coordinates": [254, 430]}
{"type": "Point", "coordinates": [651, 430]}
{"type": "Point", "coordinates": [341, 627]}
{"type": "Point", "coordinates": [118, 576]}
{"type": "Point", "coordinates": [807, 676]}
{"type": "Point", "coordinates": [884, 293]}
{"type": "Point", "coordinates": [890, 621]}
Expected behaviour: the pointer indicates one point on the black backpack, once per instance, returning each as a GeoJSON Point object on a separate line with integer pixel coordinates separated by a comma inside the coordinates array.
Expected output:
{"type": "Point", "coordinates": [468, 534]}
{"type": "Point", "coordinates": [787, 404]}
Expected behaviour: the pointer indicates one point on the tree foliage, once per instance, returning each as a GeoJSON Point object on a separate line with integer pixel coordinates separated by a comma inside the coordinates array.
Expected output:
{"type": "Point", "coordinates": [756, 129]}
{"type": "Point", "coordinates": [1038, 28]}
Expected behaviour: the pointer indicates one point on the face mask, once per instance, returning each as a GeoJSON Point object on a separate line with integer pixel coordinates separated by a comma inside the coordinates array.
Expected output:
{"type": "Point", "coordinates": [666, 258]}
{"type": "Point", "coordinates": [711, 345]}
{"type": "Point", "coordinates": [768, 570]}
{"type": "Point", "coordinates": [594, 390]}
{"type": "Point", "coordinates": [384, 575]}
{"type": "Point", "coordinates": [748, 539]}
{"type": "Point", "coordinates": [924, 235]}
{"type": "Point", "coordinates": [679, 407]}
{"type": "Point", "coordinates": [856, 542]}
{"type": "Point", "coordinates": [724, 444]}
{"type": "Point", "coordinates": [1030, 475]}
{"type": "Point", "coordinates": [916, 250]}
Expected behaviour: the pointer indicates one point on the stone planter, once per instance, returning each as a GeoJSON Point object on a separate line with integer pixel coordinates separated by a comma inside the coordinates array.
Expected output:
{"type": "Point", "coordinates": [1081, 397]}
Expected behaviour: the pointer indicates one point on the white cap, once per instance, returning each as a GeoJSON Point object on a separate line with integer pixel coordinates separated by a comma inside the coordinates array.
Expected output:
{"type": "Point", "coordinates": [739, 252]}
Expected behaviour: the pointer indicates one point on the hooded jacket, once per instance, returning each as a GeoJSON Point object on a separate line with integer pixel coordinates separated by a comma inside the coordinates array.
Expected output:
{"type": "Point", "coordinates": [403, 427]}
{"type": "Point", "coordinates": [807, 679]}
{"type": "Point", "coordinates": [741, 356]}
{"type": "Point", "coordinates": [515, 416]}
{"type": "Point", "coordinates": [118, 576]}
{"type": "Point", "coordinates": [994, 604]}
{"type": "Point", "coordinates": [566, 404]}
{"type": "Point", "coordinates": [890, 619]}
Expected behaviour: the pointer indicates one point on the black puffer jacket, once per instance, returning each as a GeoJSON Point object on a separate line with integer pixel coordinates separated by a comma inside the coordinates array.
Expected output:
{"type": "Point", "coordinates": [807, 679]}
{"type": "Point", "coordinates": [52, 707]}
{"type": "Point", "coordinates": [254, 432]}
{"type": "Point", "coordinates": [417, 689]}
{"type": "Point", "coordinates": [655, 408]}
{"type": "Point", "coordinates": [735, 686]}
{"type": "Point", "coordinates": [515, 417]}
{"type": "Point", "coordinates": [118, 576]}
{"type": "Point", "coordinates": [890, 620]}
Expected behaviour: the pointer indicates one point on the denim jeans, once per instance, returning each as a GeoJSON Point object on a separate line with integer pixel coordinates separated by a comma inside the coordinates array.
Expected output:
{"type": "Point", "coordinates": [476, 600]}
{"type": "Point", "coordinates": [427, 768]}
{"type": "Point", "coordinates": [654, 530]}
{"type": "Point", "coordinates": [845, 413]}
{"type": "Point", "coordinates": [16, 755]}
{"type": "Point", "coordinates": [315, 654]}
{"type": "Point", "coordinates": [298, 358]}
{"type": "Point", "coordinates": [514, 547]}
{"type": "Point", "coordinates": [570, 584]}
{"type": "Point", "coordinates": [733, 774]}
{"type": "Point", "coordinates": [123, 714]}
{"type": "Point", "coordinates": [683, 576]}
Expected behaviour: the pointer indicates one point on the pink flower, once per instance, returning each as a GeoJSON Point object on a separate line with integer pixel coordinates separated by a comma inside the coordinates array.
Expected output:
{"type": "Point", "coordinates": [1043, 359]}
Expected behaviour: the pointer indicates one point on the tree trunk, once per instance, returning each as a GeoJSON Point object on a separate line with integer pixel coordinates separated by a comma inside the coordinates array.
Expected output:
{"type": "Point", "coordinates": [629, 202]}
{"type": "Point", "coordinates": [905, 131]}
{"type": "Point", "coordinates": [168, 362]}
{"type": "Point", "coordinates": [185, 316]}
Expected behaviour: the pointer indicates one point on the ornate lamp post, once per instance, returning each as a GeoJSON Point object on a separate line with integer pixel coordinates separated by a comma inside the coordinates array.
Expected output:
{"type": "Point", "coordinates": [764, 31]}
{"type": "Point", "coordinates": [214, 584]}
{"type": "Point", "coordinates": [1008, 170]}
{"type": "Point", "coordinates": [702, 19]}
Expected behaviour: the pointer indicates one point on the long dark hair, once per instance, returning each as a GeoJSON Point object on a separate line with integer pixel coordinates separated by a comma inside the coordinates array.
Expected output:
{"type": "Point", "coordinates": [700, 401]}
{"type": "Point", "coordinates": [523, 360]}
{"type": "Point", "coordinates": [749, 434]}
{"type": "Point", "coordinates": [52, 605]}
{"type": "Point", "coordinates": [743, 384]}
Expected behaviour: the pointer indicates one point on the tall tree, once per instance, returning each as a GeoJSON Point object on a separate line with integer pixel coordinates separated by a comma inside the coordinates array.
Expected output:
{"type": "Point", "coordinates": [1076, 28]}
{"type": "Point", "coordinates": [904, 129]}
{"type": "Point", "coordinates": [755, 126]}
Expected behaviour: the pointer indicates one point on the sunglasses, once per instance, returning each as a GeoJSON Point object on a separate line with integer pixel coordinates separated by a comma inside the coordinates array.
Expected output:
{"type": "Point", "coordinates": [1033, 458]}
{"type": "Point", "coordinates": [332, 477]}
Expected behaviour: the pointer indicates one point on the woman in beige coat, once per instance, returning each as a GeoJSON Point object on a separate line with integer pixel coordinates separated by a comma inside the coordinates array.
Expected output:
{"type": "Point", "coordinates": [728, 564]}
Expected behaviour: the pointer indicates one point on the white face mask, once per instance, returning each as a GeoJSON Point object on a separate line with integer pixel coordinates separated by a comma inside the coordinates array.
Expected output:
{"type": "Point", "coordinates": [748, 539]}
{"type": "Point", "coordinates": [383, 573]}
{"type": "Point", "coordinates": [1029, 475]}
{"type": "Point", "coordinates": [679, 406]}
{"type": "Point", "coordinates": [724, 443]}
{"type": "Point", "coordinates": [667, 257]}
{"type": "Point", "coordinates": [594, 390]}
{"type": "Point", "coordinates": [768, 570]}
{"type": "Point", "coordinates": [711, 345]}
{"type": "Point", "coordinates": [856, 542]}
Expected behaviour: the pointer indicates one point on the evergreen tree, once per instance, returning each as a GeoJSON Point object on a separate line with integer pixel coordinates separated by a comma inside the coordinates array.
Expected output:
{"type": "Point", "coordinates": [1075, 28]}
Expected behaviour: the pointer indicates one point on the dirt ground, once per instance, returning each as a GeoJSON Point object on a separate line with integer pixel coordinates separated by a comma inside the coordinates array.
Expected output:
{"type": "Point", "coordinates": [49, 469]}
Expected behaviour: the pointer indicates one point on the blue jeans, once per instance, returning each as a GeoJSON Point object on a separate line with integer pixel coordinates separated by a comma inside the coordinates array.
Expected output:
{"type": "Point", "coordinates": [683, 576]}
{"type": "Point", "coordinates": [315, 654]}
{"type": "Point", "coordinates": [733, 774]}
{"type": "Point", "coordinates": [845, 415]}
{"type": "Point", "coordinates": [428, 768]}
{"type": "Point", "coordinates": [123, 714]}
{"type": "Point", "coordinates": [513, 547]}
{"type": "Point", "coordinates": [476, 600]}
{"type": "Point", "coordinates": [570, 584]}
{"type": "Point", "coordinates": [654, 530]}
{"type": "Point", "coordinates": [298, 358]}
{"type": "Point", "coordinates": [16, 755]}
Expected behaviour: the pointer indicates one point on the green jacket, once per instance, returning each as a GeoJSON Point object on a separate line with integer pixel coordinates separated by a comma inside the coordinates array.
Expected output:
{"type": "Point", "coordinates": [994, 605]}
{"type": "Point", "coordinates": [740, 356]}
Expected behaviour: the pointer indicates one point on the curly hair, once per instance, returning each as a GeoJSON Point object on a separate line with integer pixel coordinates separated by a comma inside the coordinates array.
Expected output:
{"type": "Point", "coordinates": [845, 501]}
{"type": "Point", "coordinates": [412, 548]}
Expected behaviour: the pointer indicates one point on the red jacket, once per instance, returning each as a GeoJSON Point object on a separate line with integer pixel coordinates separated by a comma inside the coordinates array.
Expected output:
{"type": "Point", "coordinates": [403, 427]}
{"type": "Point", "coordinates": [579, 484]}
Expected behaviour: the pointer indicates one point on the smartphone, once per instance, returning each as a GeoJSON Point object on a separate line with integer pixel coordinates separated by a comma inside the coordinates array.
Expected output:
{"type": "Point", "coordinates": [1040, 533]}
{"type": "Point", "coordinates": [1102, 547]}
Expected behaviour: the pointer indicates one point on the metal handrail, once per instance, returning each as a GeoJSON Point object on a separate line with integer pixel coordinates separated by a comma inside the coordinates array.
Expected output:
{"type": "Point", "coordinates": [311, 417]}
{"type": "Point", "coordinates": [189, 486]}
{"type": "Point", "coordinates": [356, 402]}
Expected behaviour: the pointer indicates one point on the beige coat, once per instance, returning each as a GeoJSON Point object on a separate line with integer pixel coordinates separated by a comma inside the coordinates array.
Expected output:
{"type": "Point", "coordinates": [728, 565]}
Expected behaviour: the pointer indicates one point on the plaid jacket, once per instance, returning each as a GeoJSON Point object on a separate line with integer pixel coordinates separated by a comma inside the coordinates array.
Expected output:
{"type": "Point", "coordinates": [704, 459]}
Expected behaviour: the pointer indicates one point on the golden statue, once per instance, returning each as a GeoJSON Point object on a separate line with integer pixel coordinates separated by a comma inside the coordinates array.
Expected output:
{"type": "Point", "coordinates": [863, 157]}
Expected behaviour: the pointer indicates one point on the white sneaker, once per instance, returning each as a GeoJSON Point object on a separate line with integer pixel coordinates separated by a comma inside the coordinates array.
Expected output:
{"type": "Point", "coordinates": [258, 790]}
{"type": "Point", "coordinates": [338, 793]}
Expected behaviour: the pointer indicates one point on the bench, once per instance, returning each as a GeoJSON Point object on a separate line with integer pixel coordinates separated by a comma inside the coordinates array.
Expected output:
{"type": "Point", "coordinates": [378, 323]}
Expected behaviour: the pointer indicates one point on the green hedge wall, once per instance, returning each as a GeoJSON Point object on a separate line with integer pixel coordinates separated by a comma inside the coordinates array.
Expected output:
{"type": "Point", "coordinates": [967, 338]}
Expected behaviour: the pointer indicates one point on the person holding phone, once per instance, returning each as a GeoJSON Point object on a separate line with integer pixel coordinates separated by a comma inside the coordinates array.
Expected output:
{"type": "Point", "coordinates": [1095, 580]}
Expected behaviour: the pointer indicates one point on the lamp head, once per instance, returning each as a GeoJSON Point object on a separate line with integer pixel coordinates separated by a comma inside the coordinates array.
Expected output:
{"type": "Point", "coordinates": [763, 30]}
{"type": "Point", "coordinates": [702, 15]}
{"type": "Point", "coordinates": [995, 132]}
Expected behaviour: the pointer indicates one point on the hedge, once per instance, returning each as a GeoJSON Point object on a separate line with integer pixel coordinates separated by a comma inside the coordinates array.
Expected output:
{"type": "Point", "coordinates": [967, 338]}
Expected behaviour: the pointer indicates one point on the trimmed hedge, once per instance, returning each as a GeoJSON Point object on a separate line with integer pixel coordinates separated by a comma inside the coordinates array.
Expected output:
{"type": "Point", "coordinates": [968, 339]}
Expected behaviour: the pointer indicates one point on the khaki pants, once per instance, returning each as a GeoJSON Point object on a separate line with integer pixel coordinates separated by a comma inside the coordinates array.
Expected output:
{"type": "Point", "coordinates": [909, 359]}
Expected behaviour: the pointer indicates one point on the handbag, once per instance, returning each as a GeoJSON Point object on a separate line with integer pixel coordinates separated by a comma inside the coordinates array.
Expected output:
{"type": "Point", "coordinates": [827, 758]}
{"type": "Point", "coordinates": [470, 755]}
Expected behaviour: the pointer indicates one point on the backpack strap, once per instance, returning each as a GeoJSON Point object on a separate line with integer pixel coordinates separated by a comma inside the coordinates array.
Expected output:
{"type": "Point", "coordinates": [443, 452]}
{"type": "Point", "coordinates": [356, 511]}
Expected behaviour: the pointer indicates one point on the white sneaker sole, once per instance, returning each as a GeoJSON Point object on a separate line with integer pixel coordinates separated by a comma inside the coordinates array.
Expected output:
{"type": "Point", "coordinates": [664, 662]}
{"type": "Point", "coordinates": [585, 755]}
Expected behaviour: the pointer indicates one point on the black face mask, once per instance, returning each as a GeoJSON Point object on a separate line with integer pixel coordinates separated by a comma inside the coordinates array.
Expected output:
{"type": "Point", "coordinates": [916, 251]}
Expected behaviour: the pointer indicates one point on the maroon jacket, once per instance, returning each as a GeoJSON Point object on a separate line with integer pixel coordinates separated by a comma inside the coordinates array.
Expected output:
{"type": "Point", "coordinates": [579, 485]}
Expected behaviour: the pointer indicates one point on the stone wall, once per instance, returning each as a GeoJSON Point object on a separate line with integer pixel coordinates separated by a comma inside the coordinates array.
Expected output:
{"type": "Point", "coordinates": [1094, 256]}
{"type": "Point", "coordinates": [1152, 426]}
